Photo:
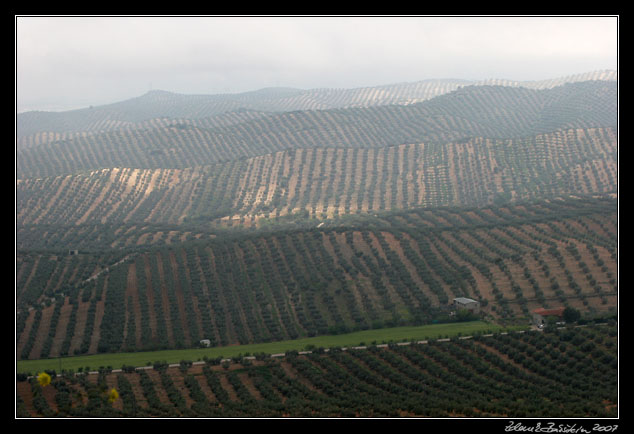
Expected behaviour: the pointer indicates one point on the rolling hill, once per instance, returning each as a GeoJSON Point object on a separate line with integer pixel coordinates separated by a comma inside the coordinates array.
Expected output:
{"type": "Point", "coordinates": [286, 284]}
{"type": "Point", "coordinates": [161, 104]}
{"type": "Point", "coordinates": [477, 111]}
{"type": "Point", "coordinates": [165, 219]}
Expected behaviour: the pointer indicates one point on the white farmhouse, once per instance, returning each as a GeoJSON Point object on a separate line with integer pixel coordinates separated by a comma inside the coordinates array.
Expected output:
{"type": "Point", "coordinates": [466, 303]}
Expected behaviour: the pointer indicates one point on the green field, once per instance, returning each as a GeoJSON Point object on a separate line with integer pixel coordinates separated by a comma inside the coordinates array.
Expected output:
{"type": "Point", "coordinates": [366, 337]}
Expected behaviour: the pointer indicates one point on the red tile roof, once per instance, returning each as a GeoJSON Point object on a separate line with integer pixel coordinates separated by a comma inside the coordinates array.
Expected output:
{"type": "Point", "coordinates": [547, 312]}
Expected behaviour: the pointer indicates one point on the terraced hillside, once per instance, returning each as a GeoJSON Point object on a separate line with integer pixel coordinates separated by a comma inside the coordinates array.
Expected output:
{"type": "Point", "coordinates": [567, 373]}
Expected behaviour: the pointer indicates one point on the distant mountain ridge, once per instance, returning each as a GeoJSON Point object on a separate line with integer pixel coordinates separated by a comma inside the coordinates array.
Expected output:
{"type": "Point", "coordinates": [473, 111]}
{"type": "Point", "coordinates": [160, 104]}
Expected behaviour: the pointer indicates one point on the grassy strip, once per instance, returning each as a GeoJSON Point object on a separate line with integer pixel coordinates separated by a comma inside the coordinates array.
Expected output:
{"type": "Point", "coordinates": [367, 337]}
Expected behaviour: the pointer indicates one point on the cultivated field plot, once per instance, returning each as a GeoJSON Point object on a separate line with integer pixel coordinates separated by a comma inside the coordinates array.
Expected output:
{"type": "Point", "coordinates": [562, 373]}
{"type": "Point", "coordinates": [347, 340]}
{"type": "Point", "coordinates": [399, 269]}
{"type": "Point", "coordinates": [319, 183]}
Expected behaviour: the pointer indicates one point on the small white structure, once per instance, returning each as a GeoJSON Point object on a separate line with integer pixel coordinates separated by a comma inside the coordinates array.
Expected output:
{"type": "Point", "coordinates": [205, 343]}
{"type": "Point", "coordinates": [466, 303]}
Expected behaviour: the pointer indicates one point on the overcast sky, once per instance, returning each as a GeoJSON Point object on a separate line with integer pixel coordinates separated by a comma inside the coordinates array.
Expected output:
{"type": "Point", "coordinates": [64, 63]}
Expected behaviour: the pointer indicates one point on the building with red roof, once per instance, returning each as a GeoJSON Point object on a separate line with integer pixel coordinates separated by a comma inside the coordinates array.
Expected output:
{"type": "Point", "coordinates": [541, 315]}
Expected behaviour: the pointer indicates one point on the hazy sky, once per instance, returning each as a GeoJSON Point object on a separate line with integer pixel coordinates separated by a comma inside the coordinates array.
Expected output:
{"type": "Point", "coordinates": [73, 62]}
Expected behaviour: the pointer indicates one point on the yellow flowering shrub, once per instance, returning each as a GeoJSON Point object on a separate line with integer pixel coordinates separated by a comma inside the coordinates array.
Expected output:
{"type": "Point", "coordinates": [44, 379]}
{"type": "Point", "coordinates": [113, 395]}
